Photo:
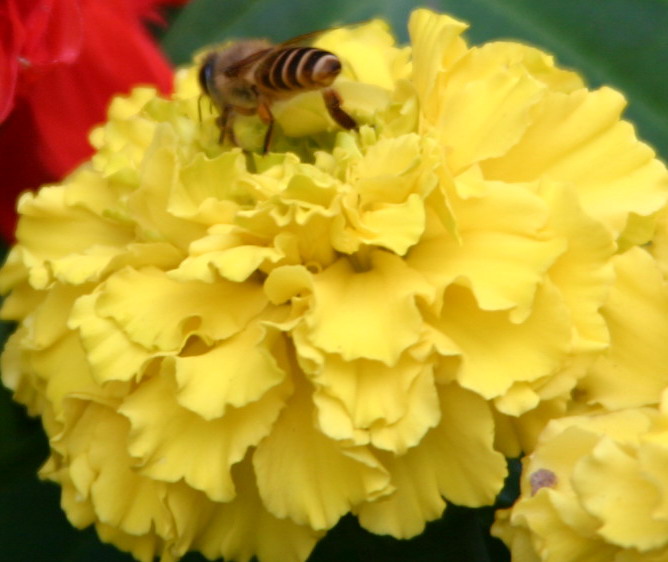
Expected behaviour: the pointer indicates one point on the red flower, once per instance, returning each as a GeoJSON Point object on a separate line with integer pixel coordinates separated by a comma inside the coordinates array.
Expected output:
{"type": "Point", "coordinates": [60, 63]}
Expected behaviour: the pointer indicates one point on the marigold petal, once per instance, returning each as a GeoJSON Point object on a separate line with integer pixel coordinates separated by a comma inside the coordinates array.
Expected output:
{"type": "Point", "coordinates": [370, 51]}
{"type": "Point", "coordinates": [463, 466]}
{"type": "Point", "coordinates": [234, 373]}
{"type": "Point", "coordinates": [653, 457]}
{"type": "Point", "coordinates": [463, 441]}
{"type": "Point", "coordinates": [583, 142]}
{"type": "Point", "coordinates": [436, 46]}
{"type": "Point", "coordinates": [48, 314]}
{"type": "Point", "coordinates": [64, 368]}
{"type": "Point", "coordinates": [234, 264]}
{"type": "Point", "coordinates": [518, 539]}
{"type": "Point", "coordinates": [78, 231]}
{"type": "Point", "coordinates": [142, 547]}
{"type": "Point", "coordinates": [305, 476]}
{"type": "Point", "coordinates": [500, 253]}
{"type": "Point", "coordinates": [19, 376]}
{"type": "Point", "coordinates": [658, 245]}
{"type": "Point", "coordinates": [109, 352]}
{"type": "Point", "coordinates": [14, 272]}
{"type": "Point", "coordinates": [210, 183]}
{"type": "Point", "coordinates": [176, 310]}
{"type": "Point", "coordinates": [583, 272]}
{"type": "Point", "coordinates": [149, 203]}
{"type": "Point", "coordinates": [395, 227]}
{"type": "Point", "coordinates": [243, 528]}
{"type": "Point", "coordinates": [371, 391]}
{"type": "Point", "coordinates": [416, 501]}
{"type": "Point", "coordinates": [366, 315]}
{"type": "Point", "coordinates": [422, 414]}
{"type": "Point", "coordinates": [286, 282]}
{"type": "Point", "coordinates": [174, 443]}
{"type": "Point", "coordinates": [391, 181]}
{"type": "Point", "coordinates": [368, 402]}
{"type": "Point", "coordinates": [95, 439]}
{"type": "Point", "coordinates": [552, 540]}
{"type": "Point", "coordinates": [389, 171]}
{"type": "Point", "coordinates": [518, 431]}
{"type": "Point", "coordinates": [626, 509]}
{"type": "Point", "coordinates": [497, 352]}
{"type": "Point", "coordinates": [485, 106]}
{"type": "Point", "coordinates": [632, 372]}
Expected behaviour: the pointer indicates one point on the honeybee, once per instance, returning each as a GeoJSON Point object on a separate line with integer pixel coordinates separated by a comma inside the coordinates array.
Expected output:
{"type": "Point", "coordinates": [248, 76]}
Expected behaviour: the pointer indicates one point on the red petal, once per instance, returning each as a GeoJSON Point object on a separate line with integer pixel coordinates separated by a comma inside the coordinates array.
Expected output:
{"type": "Point", "coordinates": [11, 38]}
{"type": "Point", "coordinates": [150, 9]}
{"type": "Point", "coordinates": [117, 54]}
{"type": "Point", "coordinates": [46, 134]}
{"type": "Point", "coordinates": [53, 31]}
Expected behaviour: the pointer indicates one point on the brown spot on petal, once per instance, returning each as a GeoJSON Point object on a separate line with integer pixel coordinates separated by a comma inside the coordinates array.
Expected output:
{"type": "Point", "coordinates": [542, 478]}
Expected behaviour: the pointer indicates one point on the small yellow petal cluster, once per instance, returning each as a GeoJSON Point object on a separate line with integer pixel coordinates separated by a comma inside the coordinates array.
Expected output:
{"type": "Point", "coordinates": [230, 351]}
{"type": "Point", "coordinates": [595, 489]}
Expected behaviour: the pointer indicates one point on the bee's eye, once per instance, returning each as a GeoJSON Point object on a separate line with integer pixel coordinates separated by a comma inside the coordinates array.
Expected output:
{"type": "Point", "coordinates": [205, 75]}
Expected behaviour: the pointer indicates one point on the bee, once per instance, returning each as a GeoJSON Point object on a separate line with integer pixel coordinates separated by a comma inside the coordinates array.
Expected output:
{"type": "Point", "coordinates": [246, 77]}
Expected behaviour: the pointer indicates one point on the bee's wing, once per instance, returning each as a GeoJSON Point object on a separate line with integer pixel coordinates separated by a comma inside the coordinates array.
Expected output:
{"type": "Point", "coordinates": [303, 38]}
{"type": "Point", "coordinates": [235, 68]}
{"type": "Point", "coordinates": [307, 37]}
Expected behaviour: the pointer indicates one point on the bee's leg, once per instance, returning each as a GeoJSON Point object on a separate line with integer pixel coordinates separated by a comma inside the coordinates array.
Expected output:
{"type": "Point", "coordinates": [225, 124]}
{"type": "Point", "coordinates": [221, 126]}
{"type": "Point", "coordinates": [265, 114]}
{"type": "Point", "coordinates": [333, 104]}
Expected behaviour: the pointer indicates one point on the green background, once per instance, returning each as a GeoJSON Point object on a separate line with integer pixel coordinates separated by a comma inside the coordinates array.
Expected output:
{"type": "Point", "coordinates": [623, 43]}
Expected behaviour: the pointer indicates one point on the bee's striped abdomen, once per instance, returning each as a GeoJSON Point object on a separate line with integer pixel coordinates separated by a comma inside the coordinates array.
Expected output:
{"type": "Point", "coordinates": [297, 68]}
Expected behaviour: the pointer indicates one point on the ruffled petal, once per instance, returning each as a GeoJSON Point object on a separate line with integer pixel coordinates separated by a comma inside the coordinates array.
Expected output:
{"type": "Point", "coordinates": [370, 314]}
{"type": "Point", "coordinates": [632, 372]}
{"type": "Point", "coordinates": [501, 252]}
{"type": "Point", "coordinates": [305, 476]}
{"type": "Point", "coordinates": [65, 371]}
{"type": "Point", "coordinates": [78, 232]}
{"type": "Point", "coordinates": [609, 467]}
{"type": "Point", "coordinates": [244, 528]}
{"type": "Point", "coordinates": [583, 272]}
{"type": "Point", "coordinates": [463, 467]}
{"type": "Point", "coordinates": [496, 351]}
{"type": "Point", "coordinates": [234, 373]}
{"type": "Point", "coordinates": [485, 106]}
{"type": "Point", "coordinates": [99, 463]}
{"type": "Point", "coordinates": [110, 353]}
{"type": "Point", "coordinates": [176, 310]}
{"type": "Point", "coordinates": [584, 468]}
{"type": "Point", "coordinates": [367, 402]}
{"type": "Point", "coordinates": [174, 443]}
{"type": "Point", "coordinates": [431, 35]}
{"type": "Point", "coordinates": [583, 142]}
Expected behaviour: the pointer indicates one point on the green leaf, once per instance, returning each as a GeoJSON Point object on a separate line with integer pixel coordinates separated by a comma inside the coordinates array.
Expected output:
{"type": "Point", "coordinates": [622, 43]}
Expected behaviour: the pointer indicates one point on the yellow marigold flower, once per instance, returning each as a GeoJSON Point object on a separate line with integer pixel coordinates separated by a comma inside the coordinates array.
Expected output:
{"type": "Point", "coordinates": [594, 489]}
{"type": "Point", "coordinates": [230, 351]}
